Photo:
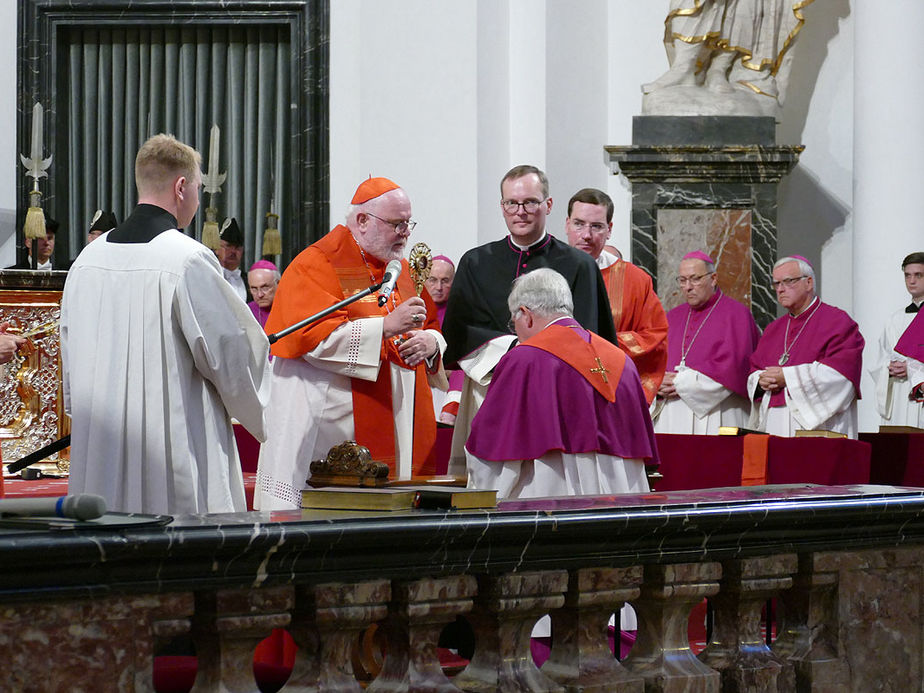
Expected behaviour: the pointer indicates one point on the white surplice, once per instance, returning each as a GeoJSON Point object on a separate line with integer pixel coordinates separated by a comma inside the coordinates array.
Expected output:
{"type": "Point", "coordinates": [311, 409]}
{"type": "Point", "coordinates": [557, 473]}
{"type": "Point", "coordinates": [817, 398]}
{"type": "Point", "coordinates": [892, 393]}
{"type": "Point", "coordinates": [158, 354]}
{"type": "Point", "coordinates": [478, 368]}
{"type": "Point", "coordinates": [701, 407]}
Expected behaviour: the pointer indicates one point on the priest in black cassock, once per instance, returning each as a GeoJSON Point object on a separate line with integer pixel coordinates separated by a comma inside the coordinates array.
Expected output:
{"type": "Point", "coordinates": [475, 325]}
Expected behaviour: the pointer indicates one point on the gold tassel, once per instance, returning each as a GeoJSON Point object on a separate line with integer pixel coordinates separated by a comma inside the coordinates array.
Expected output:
{"type": "Point", "coordinates": [272, 241]}
{"type": "Point", "coordinates": [35, 217]}
{"type": "Point", "coordinates": [35, 223]}
{"type": "Point", "coordinates": [210, 235]}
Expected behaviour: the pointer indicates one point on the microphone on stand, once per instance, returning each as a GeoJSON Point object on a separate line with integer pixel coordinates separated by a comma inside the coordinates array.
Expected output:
{"type": "Point", "coordinates": [392, 272]}
{"type": "Point", "coordinates": [83, 506]}
{"type": "Point", "coordinates": [387, 285]}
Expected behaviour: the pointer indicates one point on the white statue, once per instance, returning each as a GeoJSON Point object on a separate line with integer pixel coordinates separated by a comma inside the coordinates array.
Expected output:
{"type": "Point", "coordinates": [727, 57]}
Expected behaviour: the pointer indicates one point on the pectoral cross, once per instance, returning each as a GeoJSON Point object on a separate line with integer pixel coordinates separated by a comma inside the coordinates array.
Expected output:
{"type": "Point", "coordinates": [601, 370]}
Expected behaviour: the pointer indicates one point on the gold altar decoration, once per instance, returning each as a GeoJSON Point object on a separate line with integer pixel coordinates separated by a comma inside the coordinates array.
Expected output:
{"type": "Point", "coordinates": [31, 401]}
{"type": "Point", "coordinates": [421, 263]}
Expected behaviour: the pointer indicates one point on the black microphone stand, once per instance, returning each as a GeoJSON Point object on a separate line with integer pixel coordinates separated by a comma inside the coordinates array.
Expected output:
{"type": "Point", "coordinates": [39, 454]}
{"type": "Point", "coordinates": [324, 313]}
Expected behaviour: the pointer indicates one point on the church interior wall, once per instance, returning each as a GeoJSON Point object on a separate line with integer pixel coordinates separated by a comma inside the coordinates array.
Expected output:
{"type": "Point", "coordinates": [10, 166]}
{"type": "Point", "coordinates": [444, 97]}
{"type": "Point", "coordinates": [403, 104]}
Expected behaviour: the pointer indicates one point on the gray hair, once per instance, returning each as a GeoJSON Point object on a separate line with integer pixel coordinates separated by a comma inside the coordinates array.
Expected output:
{"type": "Point", "coordinates": [544, 291]}
{"type": "Point", "coordinates": [804, 267]}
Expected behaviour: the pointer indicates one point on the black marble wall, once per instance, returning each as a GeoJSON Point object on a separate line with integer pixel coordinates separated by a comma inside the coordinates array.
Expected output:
{"type": "Point", "coordinates": [705, 162]}
{"type": "Point", "coordinates": [42, 69]}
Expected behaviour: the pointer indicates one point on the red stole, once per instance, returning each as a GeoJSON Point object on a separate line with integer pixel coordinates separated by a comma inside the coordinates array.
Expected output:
{"type": "Point", "coordinates": [911, 343]}
{"type": "Point", "coordinates": [591, 360]}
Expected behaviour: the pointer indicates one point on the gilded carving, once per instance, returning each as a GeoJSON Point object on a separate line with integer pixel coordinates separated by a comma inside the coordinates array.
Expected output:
{"type": "Point", "coordinates": [348, 464]}
{"type": "Point", "coordinates": [31, 411]}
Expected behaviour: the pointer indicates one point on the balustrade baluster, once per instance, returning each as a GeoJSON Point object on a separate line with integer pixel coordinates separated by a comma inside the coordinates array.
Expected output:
{"type": "Point", "coordinates": [227, 626]}
{"type": "Point", "coordinates": [419, 610]}
{"type": "Point", "coordinates": [737, 650]}
{"type": "Point", "coordinates": [506, 609]}
{"type": "Point", "coordinates": [662, 654]}
{"type": "Point", "coordinates": [580, 658]}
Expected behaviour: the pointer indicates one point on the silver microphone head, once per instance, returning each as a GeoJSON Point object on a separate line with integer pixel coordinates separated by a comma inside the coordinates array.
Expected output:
{"type": "Point", "coordinates": [392, 272]}
{"type": "Point", "coordinates": [84, 506]}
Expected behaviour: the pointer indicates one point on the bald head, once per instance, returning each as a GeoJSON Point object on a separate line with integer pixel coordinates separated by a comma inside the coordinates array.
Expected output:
{"type": "Point", "coordinates": [440, 281]}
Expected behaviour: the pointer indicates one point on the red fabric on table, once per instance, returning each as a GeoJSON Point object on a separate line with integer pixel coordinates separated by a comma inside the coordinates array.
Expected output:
{"type": "Point", "coordinates": [809, 460]}
{"type": "Point", "coordinates": [694, 462]}
{"type": "Point", "coordinates": [697, 462]}
{"type": "Point", "coordinates": [51, 488]}
{"type": "Point", "coordinates": [897, 458]}
{"type": "Point", "coordinates": [754, 459]}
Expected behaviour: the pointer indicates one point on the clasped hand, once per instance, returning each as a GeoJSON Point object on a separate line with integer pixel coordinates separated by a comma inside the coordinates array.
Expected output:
{"type": "Point", "coordinates": [667, 389]}
{"type": "Point", "coordinates": [408, 318]}
{"type": "Point", "coordinates": [772, 379]}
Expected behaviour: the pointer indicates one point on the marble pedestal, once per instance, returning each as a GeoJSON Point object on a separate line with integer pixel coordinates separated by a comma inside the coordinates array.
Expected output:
{"type": "Point", "coordinates": [709, 183]}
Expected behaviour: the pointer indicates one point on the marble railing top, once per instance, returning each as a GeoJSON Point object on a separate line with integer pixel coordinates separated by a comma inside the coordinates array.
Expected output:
{"type": "Point", "coordinates": [267, 548]}
{"type": "Point", "coordinates": [27, 279]}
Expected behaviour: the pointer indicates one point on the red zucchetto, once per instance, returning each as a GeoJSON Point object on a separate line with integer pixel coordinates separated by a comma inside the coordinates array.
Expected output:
{"type": "Point", "coordinates": [371, 188]}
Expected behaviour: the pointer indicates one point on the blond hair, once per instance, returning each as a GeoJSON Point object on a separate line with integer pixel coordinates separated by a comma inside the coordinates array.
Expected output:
{"type": "Point", "coordinates": [161, 160]}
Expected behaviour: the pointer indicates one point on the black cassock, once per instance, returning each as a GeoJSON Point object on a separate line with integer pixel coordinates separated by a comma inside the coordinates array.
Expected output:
{"type": "Point", "coordinates": [477, 308]}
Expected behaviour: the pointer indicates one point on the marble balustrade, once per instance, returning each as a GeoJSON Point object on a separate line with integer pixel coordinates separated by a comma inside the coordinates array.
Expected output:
{"type": "Point", "coordinates": [86, 609]}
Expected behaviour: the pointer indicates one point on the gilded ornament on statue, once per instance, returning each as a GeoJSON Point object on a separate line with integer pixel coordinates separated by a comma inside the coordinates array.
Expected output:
{"type": "Point", "coordinates": [421, 262]}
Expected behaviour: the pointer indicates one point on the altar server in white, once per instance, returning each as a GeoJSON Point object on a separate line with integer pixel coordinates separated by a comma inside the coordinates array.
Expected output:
{"type": "Point", "coordinates": [158, 353]}
{"type": "Point", "coordinates": [892, 371]}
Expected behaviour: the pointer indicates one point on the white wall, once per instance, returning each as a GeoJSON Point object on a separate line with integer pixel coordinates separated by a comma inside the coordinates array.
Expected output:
{"type": "Point", "coordinates": [403, 104]}
{"type": "Point", "coordinates": [445, 96]}
{"type": "Point", "coordinates": [9, 160]}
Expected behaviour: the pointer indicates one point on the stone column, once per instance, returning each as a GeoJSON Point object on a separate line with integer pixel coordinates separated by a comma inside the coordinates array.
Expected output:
{"type": "Point", "coordinates": [506, 609]}
{"type": "Point", "coordinates": [326, 625]}
{"type": "Point", "coordinates": [662, 654]}
{"type": "Point", "coordinates": [807, 628]}
{"type": "Point", "coordinates": [888, 165]}
{"type": "Point", "coordinates": [706, 183]}
{"type": "Point", "coordinates": [227, 627]}
{"type": "Point", "coordinates": [737, 650]}
{"type": "Point", "coordinates": [417, 613]}
{"type": "Point", "coordinates": [581, 659]}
